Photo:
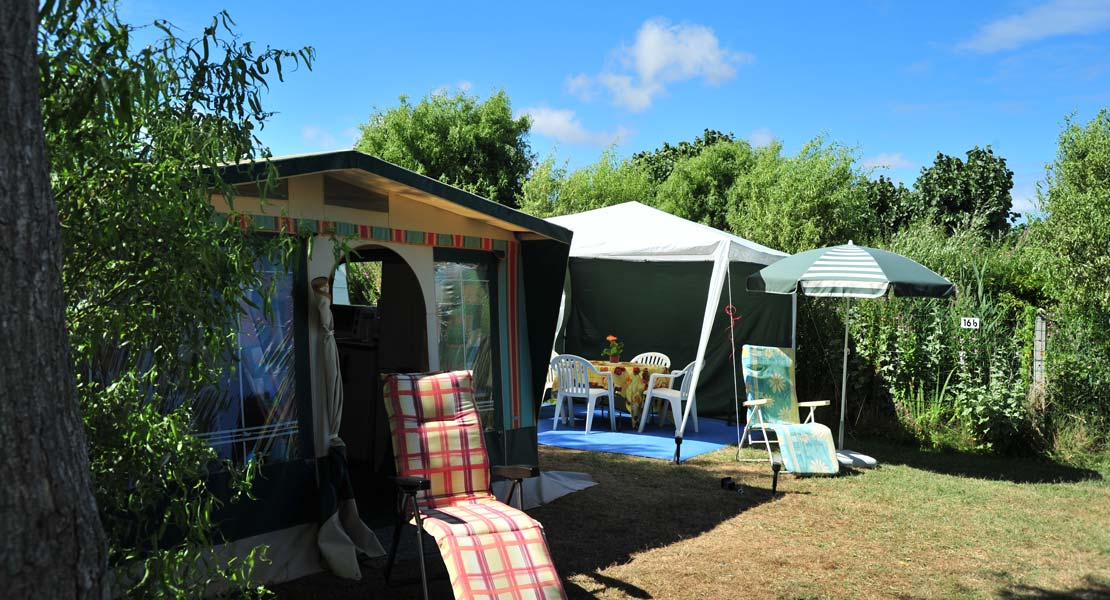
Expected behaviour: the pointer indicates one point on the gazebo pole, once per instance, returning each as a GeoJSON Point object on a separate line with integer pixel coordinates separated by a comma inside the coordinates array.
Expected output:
{"type": "Point", "coordinates": [844, 376]}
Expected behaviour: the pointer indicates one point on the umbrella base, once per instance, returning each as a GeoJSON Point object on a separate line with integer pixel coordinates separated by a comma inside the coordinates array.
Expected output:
{"type": "Point", "coordinates": [851, 458]}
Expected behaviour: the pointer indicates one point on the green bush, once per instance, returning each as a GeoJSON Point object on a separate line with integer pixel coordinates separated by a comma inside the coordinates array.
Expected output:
{"type": "Point", "coordinates": [951, 386]}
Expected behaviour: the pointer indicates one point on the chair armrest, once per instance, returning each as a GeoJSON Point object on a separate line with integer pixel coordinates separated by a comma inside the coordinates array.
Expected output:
{"type": "Point", "coordinates": [756, 402]}
{"type": "Point", "coordinates": [814, 403]}
{"type": "Point", "coordinates": [410, 484]}
{"type": "Point", "coordinates": [516, 472]}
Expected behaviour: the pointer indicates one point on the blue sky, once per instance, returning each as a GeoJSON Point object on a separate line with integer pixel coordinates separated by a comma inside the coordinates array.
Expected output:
{"type": "Point", "coordinates": [898, 81]}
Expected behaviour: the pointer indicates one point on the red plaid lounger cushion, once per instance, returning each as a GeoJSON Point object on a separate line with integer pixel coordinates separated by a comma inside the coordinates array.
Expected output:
{"type": "Point", "coordinates": [491, 550]}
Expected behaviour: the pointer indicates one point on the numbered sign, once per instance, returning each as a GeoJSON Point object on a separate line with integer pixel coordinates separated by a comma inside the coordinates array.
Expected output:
{"type": "Point", "coordinates": [969, 322]}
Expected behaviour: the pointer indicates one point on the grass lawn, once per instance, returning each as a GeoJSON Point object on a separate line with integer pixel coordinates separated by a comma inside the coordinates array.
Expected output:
{"type": "Point", "coordinates": [924, 525]}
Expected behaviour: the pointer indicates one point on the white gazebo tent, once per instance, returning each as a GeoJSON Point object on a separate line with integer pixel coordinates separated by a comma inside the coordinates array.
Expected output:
{"type": "Point", "coordinates": [633, 232]}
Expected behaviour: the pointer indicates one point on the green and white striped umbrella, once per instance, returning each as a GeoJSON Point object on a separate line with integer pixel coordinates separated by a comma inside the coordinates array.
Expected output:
{"type": "Point", "coordinates": [850, 271]}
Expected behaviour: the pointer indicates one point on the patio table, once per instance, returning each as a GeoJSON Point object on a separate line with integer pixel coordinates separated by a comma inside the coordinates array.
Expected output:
{"type": "Point", "coordinates": [629, 378]}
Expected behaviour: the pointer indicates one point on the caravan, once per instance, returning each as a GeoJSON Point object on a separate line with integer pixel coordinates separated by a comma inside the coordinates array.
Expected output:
{"type": "Point", "coordinates": [423, 277]}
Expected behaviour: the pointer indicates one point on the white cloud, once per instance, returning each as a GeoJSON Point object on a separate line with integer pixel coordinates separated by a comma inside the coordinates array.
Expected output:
{"type": "Point", "coordinates": [761, 137]}
{"type": "Point", "coordinates": [663, 54]}
{"type": "Point", "coordinates": [464, 86]}
{"type": "Point", "coordinates": [888, 160]}
{"type": "Point", "coordinates": [562, 125]}
{"type": "Point", "coordinates": [581, 86]}
{"type": "Point", "coordinates": [629, 94]}
{"type": "Point", "coordinates": [1053, 18]}
{"type": "Point", "coordinates": [319, 137]}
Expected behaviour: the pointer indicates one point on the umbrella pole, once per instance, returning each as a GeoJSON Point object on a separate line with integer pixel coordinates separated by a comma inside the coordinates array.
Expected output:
{"type": "Point", "coordinates": [844, 377]}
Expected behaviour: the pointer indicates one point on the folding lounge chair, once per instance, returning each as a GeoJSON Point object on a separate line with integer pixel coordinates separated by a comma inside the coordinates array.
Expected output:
{"type": "Point", "coordinates": [490, 549]}
{"type": "Point", "coordinates": [806, 447]}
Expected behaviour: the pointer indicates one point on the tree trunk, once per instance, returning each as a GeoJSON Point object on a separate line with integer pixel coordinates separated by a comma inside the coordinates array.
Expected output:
{"type": "Point", "coordinates": [51, 541]}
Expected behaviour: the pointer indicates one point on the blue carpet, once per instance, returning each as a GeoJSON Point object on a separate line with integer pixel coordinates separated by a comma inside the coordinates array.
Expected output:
{"type": "Point", "coordinates": [654, 442]}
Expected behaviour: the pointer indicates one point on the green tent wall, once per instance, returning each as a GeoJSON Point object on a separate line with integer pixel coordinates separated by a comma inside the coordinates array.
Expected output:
{"type": "Point", "coordinates": [659, 306]}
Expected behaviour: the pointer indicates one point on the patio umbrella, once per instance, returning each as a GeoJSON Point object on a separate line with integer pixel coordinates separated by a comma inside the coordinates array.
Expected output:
{"type": "Point", "coordinates": [849, 271]}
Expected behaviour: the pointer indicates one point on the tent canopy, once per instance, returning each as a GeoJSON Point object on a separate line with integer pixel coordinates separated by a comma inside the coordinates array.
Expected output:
{"type": "Point", "coordinates": [634, 232]}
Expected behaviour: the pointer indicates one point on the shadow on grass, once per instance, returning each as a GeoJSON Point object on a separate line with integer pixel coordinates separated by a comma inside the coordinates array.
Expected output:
{"type": "Point", "coordinates": [1025, 469]}
{"type": "Point", "coordinates": [603, 582]}
{"type": "Point", "coordinates": [1092, 588]}
{"type": "Point", "coordinates": [608, 524]}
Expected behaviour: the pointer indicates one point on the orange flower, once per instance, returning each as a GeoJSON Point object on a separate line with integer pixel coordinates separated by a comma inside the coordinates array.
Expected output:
{"type": "Point", "coordinates": [611, 338]}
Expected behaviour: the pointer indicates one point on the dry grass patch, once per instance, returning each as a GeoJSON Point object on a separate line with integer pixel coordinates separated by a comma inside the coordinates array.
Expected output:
{"type": "Point", "coordinates": [922, 526]}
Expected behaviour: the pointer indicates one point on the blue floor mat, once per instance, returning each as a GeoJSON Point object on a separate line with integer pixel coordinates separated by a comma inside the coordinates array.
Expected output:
{"type": "Point", "coordinates": [654, 442]}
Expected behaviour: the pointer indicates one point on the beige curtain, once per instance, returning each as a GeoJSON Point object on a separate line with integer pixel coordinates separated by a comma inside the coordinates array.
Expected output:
{"type": "Point", "coordinates": [342, 533]}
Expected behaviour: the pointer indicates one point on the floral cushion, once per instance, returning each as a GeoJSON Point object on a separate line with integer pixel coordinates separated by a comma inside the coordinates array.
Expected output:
{"type": "Point", "coordinates": [806, 449]}
{"type": "Point", "coordinates": [769, 375]}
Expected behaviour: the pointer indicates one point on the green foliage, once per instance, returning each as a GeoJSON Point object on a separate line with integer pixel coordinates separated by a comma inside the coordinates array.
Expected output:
{"type": "Point", "coordinates": [963, 387]}
{"type": "Point", "coordinates": [130, 436]}
{"type": "Point", "coordinates": [894, 206]}
{"type": "Point", "coordinates": [974, 193]}
{"type": "Point", "coordinates": [797, 203]}
{"type": "Point", "coordinates": [698, 187]}
{"type": "Point", "coordinates": [550, 191]}
{"type": "Point", "coordinates": [152, 277]}
{"type": "Point", "coordinates": [1076, 229]}
{"type": "Point", "coordinates": [1075, 237]}
{"type": "Point", "coordinates": [476, 146]}
{"type": "Point", "coordinates": [659, 163]}
{"type": "Point", "coordinates": [364, 282]}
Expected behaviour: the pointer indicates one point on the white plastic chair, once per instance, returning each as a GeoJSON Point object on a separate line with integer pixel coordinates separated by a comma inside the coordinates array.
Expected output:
{"type": "Point", "coordinates": [675, 398]}
{"type": "Point", "coordinates": [657, 359]}
{"type": "Point", "coordinates": [572, 374]}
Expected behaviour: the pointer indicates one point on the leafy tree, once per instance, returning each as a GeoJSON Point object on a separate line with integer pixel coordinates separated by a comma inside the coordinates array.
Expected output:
{"type": "Point", "coordinates": [894, 206]}
{"type": "Point", "coordinates": [1075, 234]}
{"type": "Point", "coordinates": [551, 191]}
{"type": "Point", "coordinates": [477, 146]}
{"type": "Point", "coordinates": [659, 163]}
{"type": "Point", "coordinates": [1076, 203]}
{"type": "Point", "coordinates": [797, 203]}
{"type": "Point", "coordinates": [698, 187]}
{"type": "Point", "coordinates": [152, 278]}
{"type": "Point", "coordinates": [51, 540]}
{"type": "Point", "coordinates": [976, 191]}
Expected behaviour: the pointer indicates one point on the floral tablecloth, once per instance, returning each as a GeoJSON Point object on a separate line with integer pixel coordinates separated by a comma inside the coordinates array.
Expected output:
{"type": "Point", "coordinates": [630, 379]}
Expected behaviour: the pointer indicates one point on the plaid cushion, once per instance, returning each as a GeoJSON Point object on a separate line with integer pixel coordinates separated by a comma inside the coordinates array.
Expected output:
{"type": "Point", "coordinates": [437, 435]}
{"type": "Point", "coordinates": [494, 551]}
{"type": "Point", "coordinates": [491, 550]}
